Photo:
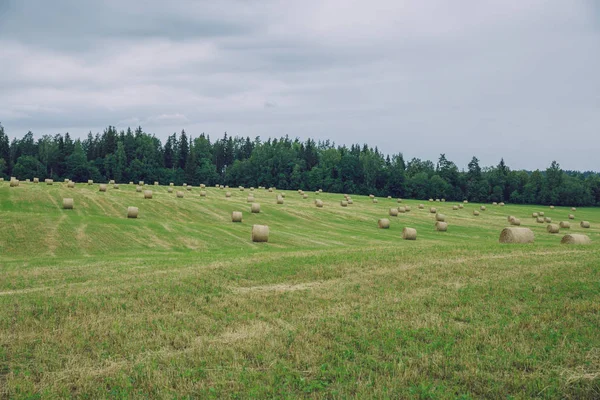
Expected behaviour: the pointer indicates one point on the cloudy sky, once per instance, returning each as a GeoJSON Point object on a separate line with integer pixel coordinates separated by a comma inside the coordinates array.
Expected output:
{"type": "Point", "coordinates": [512, 78]}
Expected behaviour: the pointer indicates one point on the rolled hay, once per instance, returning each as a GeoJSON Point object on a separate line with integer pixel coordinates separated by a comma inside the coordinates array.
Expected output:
{"type": "Point", "coordinates": [320, 190]}
{"type": "Point", "coordinates": [571, 216]}
{"type": "Point", "coordinates": [374, 201]}
{"type": "Point", "coordinates": [407, 208]}
{"type": "Point", "coordinates": [179, 194]}
{"type": "Point", "coordinates": [227, 194]}
{"type": "Point", "coordinates": [476, 213]}
{"type": "Point", "coordinates": [584, 224]}
{"type": "Point", "coordinates": [68, 203]}
{"type": "Point", "coordinates": [250, 199]}
{"type": "Point", "coordinates": [90, 182]}
{"type": "Point", "coordinates": [1, 179]}
{"type": "Point", "coordinates": [102, 187]}
{"type": "Point", "coordinates": [132, 212]}
{"type": "Point", "coordinates": [565, 225]}
{"type": "Point", "coordinates": [460, 206]}
{"type": "Point", "coordinates": [155, 183]}
{"type": "Point", "coordinates": [401, 210]}
{"type": "Point", "coordinates": [465, 201]}
{"type": "Point", "coordinates": [221, 187]}
{"type": "Point", "coordinates": [141, 183]}
{"type": "Point", "coordinates": [147, 194]}
{"type": "Point", "coordinates": [344, 203]}
{"type": "Point", "coordinates": [111, 182]}
{"type": "Point", "coordinates": [138, 189]}
{"type": "Point", "coordinates": [170, 189]}
{"type": "Point", "coordinates": [516, 235]}
{"type": "Point", "coordinates": [399, 200]}
{"type": "Point", "coordinates": [431, 200]}
{"type": "Point", "coordinates": [443, 200]}
{"type": "Point", "coordinates": [260, 233]}
{"type": "Point", "coordinates": [305, 196]}
{"type": "Point", "coordinates": [482, 208]}
{"type": "Point", "coordinates": [541, 214]}
{"type": "Point", "coordinates": [441, 226]}
{"type": "Point", "coordinates": [440, 217]}
{"type": "Point", "coordinates": [203, 193]}
{"type": "Point", "coordinates": [552, 207]}
{"type": "Point", "coordinates": [552, 228]}
{"type": "Point", "coordinates": [371, 196]}
{"type": "Point", "coordinates": [515, 222]}
{"type": "Point", "coordinates": [27, 180]}
{"type": "Point", "coordinates": [236, 216]}
{"type": "Point", "coordinates": [535, 215]}
{"type": "Point", "coordinates": [130, 182]}
{"type": "Point", "coordinates": [282, 195]}
{"type": "Point", "coordinates": [393, 212]}
{"type": "Point", "coordinates": [548, 220]}
{"type": "Point", "coordinates": [188, 187]}
{"type": "Point", "coordinates": [389, 197]}
{"type": "Point", "coordinates": [317, 192]}
{"type": "Point", "coordinates": [573, 238]}
{"type": "Point", "coordinates": [573, 209]}
{"type": "Point", "coordinates": [494, 203]}
{"type": "Point", "coordinates": [433, 210]}
{"type": "Point", "coordinates": [71, 184]}
{"type": "Point", "coordinates": [171, 184]}
{"type": "Point", "coordinates": [350, 201]}
{"type": "Point", "coordinates": [540, 220]}
{"type": "Point", "coordinates": [455, 208]}
{"type": "Point", "coordinates": [421, 206]}
{"type": "Point", "coordinates": [409, 234]}
{"type": "Point", "coordinates": [319, 203]}
{"type": "Point", "coordinates": [241, 188]}
{"type": "Point", "coordinates": [14, 183]}
{"type": "Point", "coordinates": [202, 186]}
{"type": "Point", "coordinates": [252, 189]}
{"type": "Point", "coordinates": [279, 200]}
{"type": "Point", "coordinates": [255, 208]}
{"type": "Point", "coordinates": [437, 200]}
{"type": "Point", "coordinates": [383, 223]}
{"type": "Point", "coordinates": [501, 204]}
{"type": "Point", "coordinates": [35, 180]}
{"type": "Point", "coordinates": [510, 218]}
{"type": "Point", "coordinates": [270, 190]}
{"type": "Point", "coordinates": [49, 181]}
{"type": "Point", "coordinates": [116, 186]}
{"type": "Point", "coordinates": [184, 185]}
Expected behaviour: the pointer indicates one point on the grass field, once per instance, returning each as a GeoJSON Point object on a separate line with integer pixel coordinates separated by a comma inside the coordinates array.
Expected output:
{"type": "Point", "coordinates": [180, 303]}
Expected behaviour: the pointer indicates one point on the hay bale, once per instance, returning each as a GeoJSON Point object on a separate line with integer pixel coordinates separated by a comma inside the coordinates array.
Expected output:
{"type": "Point", "coordinates": [102, 187]}
{"type": "Point", "coordinates": [171, 184]}
{"type": "Point", "coordinates": [441, 226]}
{"type": "Point", "coordinates": [260, 233]}
{"type": "Point", "coordinates": [482, 208]}
{"type": "Point", "coordinates": [535, 215]}
{"type": "Point", "coordinates": [320, 190]}
{"type": "Point", "coordinates": [227, 194]}
{"type": "Point", "coordinates": [515, 222]}
{"type": "Point", "coordinates": [279, 199]}
{"type": "Point", "coordinates": [540, 220]}
{"type": "Point", "coordinates": [431, 200]}
{"type": "Point", "coordinates": [541, 214]}
{"type": "Point", "coordinates": [155, 183]}
{"type": "Point", "coordinates": [344, 203]}
{"type": "Point", "coordinates": [255, 208]}
{"type": "Point", "coordinates": [573, 238]}
{"type": "Point", "coordinates": [71, 184]}
{"type": "Point", "coordinates": [305, 196]}
{"type": "Point", "coordinates": [476, 213]}
{"type": "Point", "coordinates": [111, 182]}
{"type": "Point", "coordinates": [202, 186]}
{"type": "Point", "coordinates": [393, 212]}
{"type": "Point", "coordinates": [282, 195]}
{"type": "Point", "coordinates": [421, 206]}
{"type": "Point", "coordinates": [131, 182]}
{"type": "Point", "coordinates": [573, 209]}
{"type": "Point", "coordinates": [222, 187]}
{"type": "Point", "coordinates": [510, 218]}
{"type": "Point", "coordinates": [250, 199]}
{"type": "Point", "coordinates": [501, 204]}
{"type": "Point", "coordinates": [49, 181]}
{"type": "Point", "coordinates": [179, 194]}
{"type": "Point", "coordinates": [374, 201]}
{"type": "Point", "coordinates": [371, 196]}
{"type": "Point", "coordinates": [407, 208]}
{"type": "Point", "coordinates": [68, 203]}
{"type": "Point", "coordinates": [552, 228]}
{"type": "Point", "coordinates": [203, 193]}
{"type": "Point", "coordinates": [433, 210]}
{"type": "Point", "coordinates": [460, 206]}
{"type": "Point", "coordinates": [138, 189]}
{"type": "Point", "coordinates": [141, 183]}
{"type": "Point", "coordinates": [437, 200]}
{"type": "Point", "coordinates": [552, 207]}
{"type": "Point", "coordinates": [236, 216]}
{"type": "Point", "coordinates": [516, 235]}
{"type": "Point", "coordinates": [465, 201]}
{"type": "Point", "coordinates": [147, 194]}
{"type": "Point", "coordinates": [90, 182]}
{"type": "Point", "coordinates": [440, 217]}
{"type": "Point", "coordinates": [35, 180]}
{"type": "Point", "coordinates": [571, 216]}
{"type": "Point", "coordinates": [270, 190]}
{"type": "Point", "coordinates": [241, 188]}
{"type": "Point", "coordinates": [132, 212]}
{"type": "Point", "coordinates": [252, 189]}
{"type": "Point", "coordinates": [494, 203]}
{"type": "Point", "coordinates": [116, 186]}
{"type": "Point", "coordinates": [319, 203]}
{"type": "Point", "coordinates": [409, 234]}
{"type": "Point", "coordinates": [455, 208]}
{"type": "Point", "coordinates": [584, 224]}
{"type": "Point", "coordinates": [170, 189]}
{"type": "Point", "coordinates": [443, 200]}
{"type": "Point", "coordinates": [188, 187]}
{"type": "Point", "coordinates": [14, 183]}
{"type": "Point", "coordinates": [401, 210]}
{"type": "Point", "coordinates": [547, 220]}
{"type": "Point", "coordinates": [399, 200]}
{"type": "Point", "coordinates": [565, 225]}
{"type": "Point", "coordinates": [383, 223]}
{"type": "Point", "coordinates": [184, 185]}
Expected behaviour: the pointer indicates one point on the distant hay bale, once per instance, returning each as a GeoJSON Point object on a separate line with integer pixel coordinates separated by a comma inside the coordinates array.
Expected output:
{"type": "Point", "coordinates": [236, 216]}
{"type": "Point", "coordinates": [279, 199]}
{"type": "Point", "coordinates": [421, 206]}
{"type": "Point", "coordinates": [179, 194]}
{"type": "Point", "coordinates": [401, 209]}
{"type": "Point", "coordinates": [132, 212]}
{"type": "Point", "coordinates": [407, 208]}
{"type": "Point", "coordinates": [482, 208]}
{"type": "Point", "coordinates": [14, 182]}
{"type": "Point", "coordinates": [252, 188]}
{"type": "Point", "coordinates": [389, 197]}
{"type": "Point", "coordinates": [494, 203]}
{"type": "Point", "coordinates": [443, 200]}
{"type": "Point", "coordinates": [541, 214]}
{"type": "Point", "coordinates": [260, 233]}
{"type": "Point", "coordinates": [320, 190]}
{"type": "Point", "coordinates": [455, 208]}
{"type": "Point", "coordinates": [465, 201]}
{"type": "Point", "coordinates": [540, 220]}
{"type": "Point", "coordinates": [565, 225]}
{"type": "Point", "coordinates": [548, 220]}
{"type": "Point", "coordinates": [184, 185]}
{"type": "Point", "coordinates": [573, 209]}
{"type": "Point", "coordinates": [188, 187]}
{"type": "Point", "coordinates": [517, 235]}
{"type": "Point", "coordinates": [319, 203]}
{"type": "Point", "coordinates": [111, 182]}
{"type": "Point", "coordinates": [35, 180]}
{"type": "Point", "coordinates": [510, 218]}
{"type": "Point", "coordinates": [250, 199]}
{"type": "Point", "coordinates": [399, 200]}
{"type": "Point", "coordinates": [282, 195]}
{"type": "Point", "coordinates": [431, 200]}
{"type": "Point", "coordinates": [433, 210]}
{"type": "Point", "coordinates": [71, 184]}
{"type": "Point", "coordinates": [441, 226]}
{"type": "Point", "coordinates": [552, 228]}
{"type": "Point", "coordinates": [102, 187]}
{"type": "Point", "coordinates": [584, 224]}
{"type": "Point", "coordinates": [440, 217]}
{"type": "Point", "coordinates": [227, 194]}
{"type": "Point", "coordinates": [501, 204]}
{"type": "Point", "coordinates": [68, 203]}
{"type": "Point", "coordinates": [573, 238]}
{"type": "Point", "coordinates": [141, 183]}
{"type": "Point", "coordinates": [409, 234]}
{"type": "Point", "coordinates": [171, 184]}
{"type": "Point", "coordinates": [344, 203]}
{"type": "Point", "coordinates": [170, 189]}
{"type": "Point", "coordinates": [155, 183]}
{"type": "Point", "coordinates": [202, 186]}
{"type": "Point", "coordinates": [552, 207]}
{"type": "Point", "coordinates": [203, 193]}
{"type": "Point", "coordinates": [393, 212]}
{"type": "Point", "coordinates": [241, 188]}
{"type": "Point", "coordinates": [90, 182]}
{"type": "Point", "coordinates": [255, 208]}
{"type": "Point", "coordinates": [221, 187]}
{"type": "Point", "coordinates": [515, 222]}
{"type": "Point", "coordinates": [460, 206]}
{"type": "Point", "coordinates": [317, 192]}
{"type": "Point", "coordinates": [535, 215]}
{"type": "Point", "coordinates": [571, 216]}
{"type": "Point", "coordinates": [138, 189]}
{"type": "Point", "coordinates": [147, 194]}
{"type": "Point", "coordinates": [476, 213]}
{"type": "Point", "coordinates": [374, 201]}
{"type": "Point", "coordinates": [305, 196]}
{"type": "Point", "coordinates": [383, 223]}
{"type": "Point", "coordinates": [131, 182]}
{"type": "Point", "coordinates": [437, 200]}
{"type": "Point", "coordinates": [49, 181]}
{"type": "Point", "coordinates": [116, 186]}
{"type": "Point", "coordinates": [270, 190]}
{"type": "Point", "coordinates": [371, 196]}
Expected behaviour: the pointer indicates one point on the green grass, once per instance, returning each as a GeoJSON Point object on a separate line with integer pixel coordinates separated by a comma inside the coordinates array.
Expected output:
{"type": "Point", "coordinates": [179, 303]}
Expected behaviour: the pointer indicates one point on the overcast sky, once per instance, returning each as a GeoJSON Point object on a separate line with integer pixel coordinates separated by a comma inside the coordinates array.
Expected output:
{"type": "Point", "coordinates": [518, 79]}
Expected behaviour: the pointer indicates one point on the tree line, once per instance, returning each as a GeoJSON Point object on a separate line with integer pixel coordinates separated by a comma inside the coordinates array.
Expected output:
{"type": "Point", "coordinates": [286, 164]}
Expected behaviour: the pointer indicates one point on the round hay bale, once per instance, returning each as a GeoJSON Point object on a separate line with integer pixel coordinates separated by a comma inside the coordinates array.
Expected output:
{"type": "Point", "coordinates": [319, 203]}
{"type": "Point", "coordinates": [171, 184]}
{"type": "Point", "coordinates": [540, 220]}
{"type": "Point", "coordinates": [465, 201]}
{"type": "Point", "coordinates": [573, 238]}
{"type": "Point", "coordinates": [90, 182]}
{"type": "Point", "coordinates": [270, 190]}
{"type": "Point", "coordinates": [227, 194]}
{"type": "Point", "coordinates": [401, 210]}
{"type": "Point", "coordinates": [534, 215]}
{"type": "Point", "coordinates": [440, 217]}
{"type": "Point", "coordinates": [116, 186]}
{"type": "Point", "coordinates": [571, 216]}
{"type": "Point", "coordinates": [371, 196]}
{"type": "Point", "coordinates": [49, 181]}
{"type": "Point", "coordinates": [437, 200]}
{"type": "Point", "coordinates": [541, 214]}
{"type": "Point", "coordinates": [552, 207]}
{"type": "Point", "coordinates": [409, 234]}
{"type": "Point", "coordinates": [179, 194]}
{"type": "Point", "coordinates": [393, 212]}
{"type": "Point", "coordinates": [431, 200]}
{"type": "Point", "coordinates": [71, 184]}
{"type": "Point", "coordinates": [279, 200]}
{"type": "Point", "coordinates": [141, 183]}
{"type": "Point", "coordinates": [130, 182]}
{"type": "Point", "coordinates": [102, 187]}
{"type": "Point", "coordinates": [202, 186]}
{"type": "Point", "coordinates": [421, 206]}
{"type": "Point", "coordinates": [482, 208]}
{"type": "Point", "coordinates": [282, 195]}
{"type": "Point", "coordinates": [441, 226]}
{"type": "Point", "coordinates": [515, 222]}
{"type": "Point", "coordinates": [14, 183]}
{"type": "Point", "coordinates": [433, 210]}
{"type": "Point", "coordinates": [548, 220]}
{"type": "Point", "coordinates": [317, 193]}
{"type": "Point", "coordinates": [260, 233]}
{"type": "Point", "coordinates": [516, 235]}
{"type": "Point", "coordinates": [501, 204]}
{"type": "Point", "coordinates": [494, 203]}
{"type": "Point", "coordinates": [35, 180]}
{"type": "Point", "coordinates": [203, 193]}
{"type": "Point", "coordinates": [584, 224]}
{"type": "Point", "coordinates": [170, 189]}
{"type": "Point", "coordinates": [138, 189]}
{"type": "Point", "coordinates": [184, 185]}
{"type": "Point", "coordinates": [236, 216]}
{"type": "Point", "coordinates": [221, 187]}
{"type": "Point", "coordinates": [565, 225]}
{"type": "Point", "coordinates": [443, 200]}
{"type": "Point", "coordinates": [407, 208]}
{"type": "Point", "coordinates": [68, 203]}
{"type": "Point", "coordinates": [188, 187]}
{"type": "Point", "coordinates": [305, 196]}
{"type": "Point", "coordinates": [252, 188]}
{"type": "Point", "coordinates": [573, 209]}
{"type": "Point", "coordinates": [132, 212]}
{"type": "Point", "coordinates": [460, 206]}
{"type": "Point", "coordinates": [155, 183]}
{"type": "Point", "coordinates": [476, 213]}
{"type": "Point", "coordinates": [255, 208]}
{"type": "Point", "coordinates": [374, 201]}
{"type": "Point", "coordinates": [399, 200]}
{"type": "Point", "coordinates": [320, 190]}
{"type": "Point", "coordinates": [250, 199]}
{"type": "Point", "coordinates": [111, 182]}
{"type": "Point", "coordinates": [147, 194]}
{"type": "Point", "coordinates": [241, 188]}
{"type": "Point", "coordinates": [344, 203]}
{"type": "Point", "coordinates": [552, 228]}
{"type": "Point", "coordinates": [383, 223]}
{"type": "Point", "coordinates": [455, 208]}
{"type": "Point", "coordinates": [350, 201]}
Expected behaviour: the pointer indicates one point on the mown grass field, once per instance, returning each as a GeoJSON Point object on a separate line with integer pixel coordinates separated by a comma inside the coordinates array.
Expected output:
{"type": "Point", "coordinates": [179, 303]}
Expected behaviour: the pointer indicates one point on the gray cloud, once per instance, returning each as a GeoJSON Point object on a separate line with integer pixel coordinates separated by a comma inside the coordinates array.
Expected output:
{"type": "Point", "coordinates": [494, 79]}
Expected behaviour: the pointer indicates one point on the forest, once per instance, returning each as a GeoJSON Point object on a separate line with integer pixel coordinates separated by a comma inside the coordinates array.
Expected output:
{"type": "Point", "coordinates": [284, 163]}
